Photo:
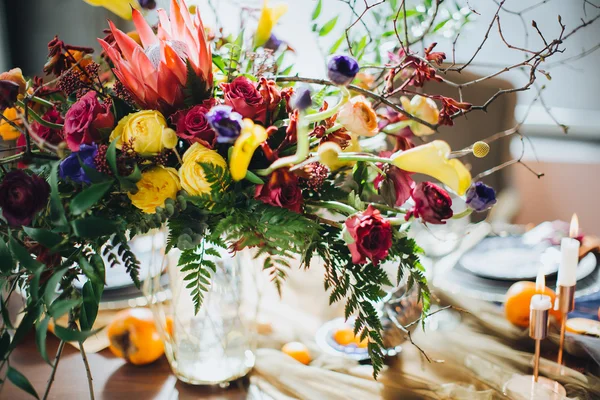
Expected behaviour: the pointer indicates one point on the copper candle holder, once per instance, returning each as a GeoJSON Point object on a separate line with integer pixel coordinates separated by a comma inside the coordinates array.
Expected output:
{"type": "Point", "coordinates": [565, 303]}
{"type": "Point", "coordinates": [538, 330]}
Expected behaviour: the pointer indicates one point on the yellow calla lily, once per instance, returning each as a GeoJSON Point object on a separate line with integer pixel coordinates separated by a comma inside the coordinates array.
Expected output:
{"type": "Point", "coordinates": [432, 159]}
{"type": "Point", "coordinates": [120, 7]}
{"type": "Point", "coordinates": [267, 21]}
{"type": "Point", "coordinates": [251, 136]}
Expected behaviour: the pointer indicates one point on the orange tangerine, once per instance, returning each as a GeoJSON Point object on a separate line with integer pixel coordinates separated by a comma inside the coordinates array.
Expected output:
{"type": "Point", "coordinates": [298, 351]}
{"type": "Point", "coordinates": [133, 336]}
{"type": "Point", "coordinates": [518, 297]}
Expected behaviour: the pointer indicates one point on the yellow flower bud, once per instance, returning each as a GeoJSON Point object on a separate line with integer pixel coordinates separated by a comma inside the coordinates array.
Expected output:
{"type": "Point", "coordinates": [423, 108]}
{"type": "Point", "coordinates": [149, 131]}
{"type": "Point", "coordinates": [191, 173]}
{"type": "Point", "coordinates": [157, 185]}
{"type": "Point", "coordinates": [245, 145]}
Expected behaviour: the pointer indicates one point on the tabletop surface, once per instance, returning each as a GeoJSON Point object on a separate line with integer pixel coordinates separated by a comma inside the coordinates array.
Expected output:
{"type": "Point", "coordinates": [113, 378]}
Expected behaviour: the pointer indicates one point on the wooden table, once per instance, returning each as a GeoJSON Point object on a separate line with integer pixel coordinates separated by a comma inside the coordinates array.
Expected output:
{"type": "Point", "coordinates": [114, 379]}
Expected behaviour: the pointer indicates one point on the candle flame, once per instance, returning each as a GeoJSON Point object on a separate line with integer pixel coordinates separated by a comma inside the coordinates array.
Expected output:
{"type": "Point", "coordinates": [540, 282]}
{"type": "Point", "coordinates": [574, 228]}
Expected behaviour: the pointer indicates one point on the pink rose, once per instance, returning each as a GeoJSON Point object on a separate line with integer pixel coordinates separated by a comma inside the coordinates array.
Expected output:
{"type": "Point", "coordinates": [241, 94]}
{"type": "Point", "coordinates": [192, 125]}
{"type": "Point", "coordinates": [281, 190]}
{"type": "Point", "coordinates": [432, 204]}
{"type": "Point", "coordinates": [84, 120]}
{"type": "Point", "coordinates": [371, 236]}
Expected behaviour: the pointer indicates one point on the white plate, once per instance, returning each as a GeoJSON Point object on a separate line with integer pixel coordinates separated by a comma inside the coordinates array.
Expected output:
{"type": "Point", "coordinates": [508, 258]}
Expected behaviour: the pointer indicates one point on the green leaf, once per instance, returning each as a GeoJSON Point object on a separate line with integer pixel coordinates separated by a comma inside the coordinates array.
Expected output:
{"type": "Point", "coordinates": [25, 326]}
{"type": "Point", "coordinates": [93, 227]}
{"type": "Point", "coordinates": [51, 285]}
{"type": "Point", "coordinates": [4, 344]}
{"type": "Point", "coordinates": [6, 260]}
{"type": "Point", "coordinates": [111, 157]}
{"type": "Point", "coordinates": [91, 299]}
{"type": "Point", "coordinates": [89, 271]}
{"type": "Point", "coordinates": [70, 335]}
{"type": "Point", "coordinates": [41, 331]}
{"type": "Point", "coordinates": [5, 314]}
{"type": "Point", "coordinates": [196, 89]}
{"type": "Point", "coordinates": [337, 44]}
{"type": "Point", "coordinates": [23, 257]}
{"type": "Point", "coordinates": [317, 10]}
{"type": "Point", "coordinates": [440, 25]}
{"type": "Point", "coordinates": [120, 108]}
{"type": "Point", "coordinates": [44, 237]}
{"type": "Point", "coordinates": [61, 307]}
{"type": "Point", "coordinates": [218, 62]}
{"type": "Point", "coordinates": [328, 27]}
{"type": "Point", "coordinates": [88, 197]}
{"type": "Point", "coordinates": [20, 381]}
{"type": "Point", "coordinates": [57, 211]}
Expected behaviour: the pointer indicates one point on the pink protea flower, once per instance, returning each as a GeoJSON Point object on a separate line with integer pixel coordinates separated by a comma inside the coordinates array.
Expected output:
{"type": "Point", "coordinates": [155, 73]}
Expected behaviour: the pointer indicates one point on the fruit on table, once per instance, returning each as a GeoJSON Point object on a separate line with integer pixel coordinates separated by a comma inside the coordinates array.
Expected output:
{"type": "Point", "coordinates": [583, 326]}
{"type": "Point", "coordinates": [298, 351]}
{"type": "Point", "coordinates": [518, 297]}
{"type": "Point", "coordinates": [345, 337]}
{"type": "Point", "coordinates": [133, 336]}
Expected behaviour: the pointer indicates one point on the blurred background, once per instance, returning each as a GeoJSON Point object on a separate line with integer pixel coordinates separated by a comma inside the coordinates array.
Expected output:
{"type": "Point", "coordinates": [570, 162]}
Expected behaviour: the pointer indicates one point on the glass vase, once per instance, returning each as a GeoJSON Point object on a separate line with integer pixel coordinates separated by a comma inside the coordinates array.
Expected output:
{"type": "Point", "coordinates": [216, 345]}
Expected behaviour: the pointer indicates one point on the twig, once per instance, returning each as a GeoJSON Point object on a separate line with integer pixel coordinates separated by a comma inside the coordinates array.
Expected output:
{"type": "Point", "coordinates": [87, 370]}
{"type": "Point", "coordinates": [59, 351]}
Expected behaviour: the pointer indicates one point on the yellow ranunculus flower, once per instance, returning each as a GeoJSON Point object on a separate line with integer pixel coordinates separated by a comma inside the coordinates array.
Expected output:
{"type": "Point", "coordinates": [7, 131]}
{"type": "Point", "coordinates": [432, 159]}
{"type": "Point", "coordinates": [157, 185]}
{"type": "Point", "coordinates": [267, 21]}
{"type": "Point", "coordinates": [120, 7]}
{"type": "Point", "coordinates": [149, 131]}
{"type": "Point", "coordinates": [423, 108]}
{"type": "Point", "coordinates": [251, 136]}
{"type": "Point", "coordinates": [191, 173]}
{"type": "Point", "coordinates": [358, 117]}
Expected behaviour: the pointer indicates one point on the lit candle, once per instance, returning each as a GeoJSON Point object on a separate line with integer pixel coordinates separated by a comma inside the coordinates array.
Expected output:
{"type": "Point", "coordinates": [540, 301]}
{"type": "Point", "coordinates": [569, 248]}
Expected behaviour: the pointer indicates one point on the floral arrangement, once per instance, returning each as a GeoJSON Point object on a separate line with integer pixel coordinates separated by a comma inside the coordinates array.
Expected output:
{"type": "Point", "coordinates": [177, 126]}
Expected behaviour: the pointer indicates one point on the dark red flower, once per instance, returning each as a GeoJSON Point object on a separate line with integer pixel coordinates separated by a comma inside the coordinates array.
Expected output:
{"type": "Point", "coordinates": [437, 57]}
{"type": "Point", "coordinates": [396, 186]}
{"type": "Point", "coordinates": [84, 120]}
{"type": "Point", "coordinates": [243, 96]}
{"type": "Point", "coordinates": [282, 190]}
{"type": "Point", "coordinates": [371, 236]}
{"type": "Point", "coordinates": [432, 204]}
{"type": "Point", "coordinates": [61, 56]}
{"type": "Point", "coordinates": [192, 125]}
{"type": "Point", "coordinates": [22, 196]}
{"type": "Point", "coordinates": [449, 108]}
{"type": "Point", "coordinates": [413, 70]}
{"type": "Point", "coordinates": [270, 93]}
{"type": "Point", "coordinates": [52, 136]}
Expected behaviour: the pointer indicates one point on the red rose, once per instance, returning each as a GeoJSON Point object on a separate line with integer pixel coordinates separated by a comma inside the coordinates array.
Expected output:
{"type": "Point", "coordinates": [282, 190]}
{"type": "Point", "coordinates": [371, 236]}
{"type": "Point", "coordinates": [432, 203]}
{"type": "Point", "coordinates": [241, 94]}
{"type": "Point", "coordinates": [270, 93]}
{"type": "Point", "coordinates": [52, 136]}
{"type": "Point", "coordinates": [84, 119]}
{"type": "Point", "coordinates": [192, 125]}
